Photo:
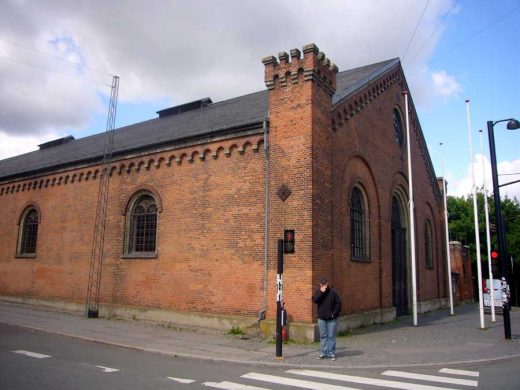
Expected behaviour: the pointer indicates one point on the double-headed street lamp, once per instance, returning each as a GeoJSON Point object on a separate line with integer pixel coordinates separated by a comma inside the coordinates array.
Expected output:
{"type": "Point", "coordinates": [512, 124]}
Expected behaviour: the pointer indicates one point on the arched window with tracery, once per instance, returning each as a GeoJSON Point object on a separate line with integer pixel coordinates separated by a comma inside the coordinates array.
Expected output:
{"type": "Point", "coordinates": [141, 234]}
{"type": "Point", "coordinates": [359, 237]}
{"type": "Point", "coordinates": [28, 232]}
{"type": "Point", "coordinates": [398, 127]}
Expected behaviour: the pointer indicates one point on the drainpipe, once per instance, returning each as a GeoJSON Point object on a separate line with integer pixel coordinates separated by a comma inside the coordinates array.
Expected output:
{"type": "Point", "coordinates": [262, 313]}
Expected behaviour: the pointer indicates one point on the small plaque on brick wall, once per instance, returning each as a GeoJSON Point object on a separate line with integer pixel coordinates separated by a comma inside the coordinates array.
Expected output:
{"type": "Point", "coordinates": [283, 192]}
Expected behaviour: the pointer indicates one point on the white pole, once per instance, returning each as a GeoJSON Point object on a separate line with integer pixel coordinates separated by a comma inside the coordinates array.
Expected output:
{"type": "Point", "coordinates": [411, 211]}
{"type": "Point", "coordinates": [488, 233]}
{"type": "Point", "coordinates": [448, 255]}
{"type": "Point", "coordinates": [475, 214]}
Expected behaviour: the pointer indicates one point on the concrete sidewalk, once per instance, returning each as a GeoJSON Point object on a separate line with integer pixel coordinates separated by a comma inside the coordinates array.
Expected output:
{"type": "Point", "coordinates": [439, 339]}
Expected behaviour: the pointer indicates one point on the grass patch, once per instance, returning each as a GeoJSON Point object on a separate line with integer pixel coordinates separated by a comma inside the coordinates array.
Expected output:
{"type": "Point", "coordinates": [236, 331]}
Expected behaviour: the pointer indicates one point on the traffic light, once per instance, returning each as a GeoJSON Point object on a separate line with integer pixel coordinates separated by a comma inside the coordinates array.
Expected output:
{"type": "Point", "coordinates": [288, 241]}
{"type": "Point", "coordinates": [495, 255]}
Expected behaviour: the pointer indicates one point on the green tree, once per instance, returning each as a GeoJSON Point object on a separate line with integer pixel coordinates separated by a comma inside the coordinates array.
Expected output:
{"type": "Point", "coordinates": [511, 213]}
{"type": "Point", "coordinates": [462, 229]}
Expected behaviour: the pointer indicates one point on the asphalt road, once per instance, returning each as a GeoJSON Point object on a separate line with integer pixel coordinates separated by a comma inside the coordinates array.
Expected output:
{"type": "Point", "coordinates": [37, 360]}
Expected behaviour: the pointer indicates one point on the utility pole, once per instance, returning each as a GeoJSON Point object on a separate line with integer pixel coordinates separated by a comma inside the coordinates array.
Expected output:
{"type": "Point", "coordinates": [475, 220]}
{"type": "Point", "coordinates": [96, 258]}
{"type": "Point", "coordinates": [411, 211]}
{"type": "Point", "coordinates": [448, 255]}
{"type": "Point", "coordinates": [491, 286]}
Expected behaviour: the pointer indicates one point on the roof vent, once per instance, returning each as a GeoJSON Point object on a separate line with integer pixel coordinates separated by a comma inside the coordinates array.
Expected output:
{"type": "Point", "coordinates": [195, 105]}
{"type": "Point", "coordinates": [56, 142]}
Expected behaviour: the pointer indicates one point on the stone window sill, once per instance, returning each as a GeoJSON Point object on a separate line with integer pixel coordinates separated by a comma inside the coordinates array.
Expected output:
{"type": "Point", "coordinates": [144, 255]}
{"type": "Point", "coordinates": [361, 259]}
{"type": "Point", "coordinates": [26, 255]}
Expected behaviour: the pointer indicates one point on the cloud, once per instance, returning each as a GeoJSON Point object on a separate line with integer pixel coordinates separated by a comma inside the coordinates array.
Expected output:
{"type": "Point", "coordinates": [508, 171]}
{"type": "Point", "coordinates": [445, 84]}
{"type": "Point", "coordinates": [40, 94]}
{"type": "Point", "coordinates": [183, 50]}
{"type": "Point", "coordinates": [14, 145]}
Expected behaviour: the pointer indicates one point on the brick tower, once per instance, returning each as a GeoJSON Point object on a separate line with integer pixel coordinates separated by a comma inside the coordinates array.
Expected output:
{"type": "Point", "coordinates": [300, 183]}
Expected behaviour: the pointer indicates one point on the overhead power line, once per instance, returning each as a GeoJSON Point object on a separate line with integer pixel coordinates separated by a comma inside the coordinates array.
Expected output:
{"type": "Point", "coordinates": [53, 71]}
{"type": "Point", "coordinates": [414, 31]}
{"type": "Point", "coordinates": [467, 39]}
{"type": "Point", "coordinates": [55, 56]}
{"type": "Point", "coordinates": [434, 31]}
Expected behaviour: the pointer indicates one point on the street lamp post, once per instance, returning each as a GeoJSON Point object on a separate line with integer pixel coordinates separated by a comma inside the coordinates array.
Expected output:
{"type": "Point", "coordinates": [512, 124]}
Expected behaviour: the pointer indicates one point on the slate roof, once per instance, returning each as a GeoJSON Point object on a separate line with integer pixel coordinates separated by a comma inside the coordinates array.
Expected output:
{"type": "Point", "coordinates": [218, 118]}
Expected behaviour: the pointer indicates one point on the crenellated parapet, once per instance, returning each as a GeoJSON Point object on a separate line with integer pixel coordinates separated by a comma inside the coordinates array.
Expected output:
{"type": "Point", "coordinates": [293, 69]}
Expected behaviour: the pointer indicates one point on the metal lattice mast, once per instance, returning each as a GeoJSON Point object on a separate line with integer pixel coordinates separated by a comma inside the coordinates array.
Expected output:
{"type": "Point", "coordinates": [96, 258]}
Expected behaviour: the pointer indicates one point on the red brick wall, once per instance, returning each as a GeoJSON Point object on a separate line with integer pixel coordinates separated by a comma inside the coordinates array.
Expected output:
{"type": "Point", "coordinates": [461, 265]}
{"type": "Point", "coordinates": [211, 223]}
{"type": "Point", "coordinates": [210, 230]}
{"type": "Point", "coordinates": [366, 152]}
{"type": "Point", "coordinates": [299, 139]}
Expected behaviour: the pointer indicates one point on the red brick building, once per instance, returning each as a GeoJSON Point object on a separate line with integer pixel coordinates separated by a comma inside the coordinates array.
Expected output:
{"type": "Point", "coordinates": [199, 197]}
{"type": "Point", "coordinates": [461, 272]}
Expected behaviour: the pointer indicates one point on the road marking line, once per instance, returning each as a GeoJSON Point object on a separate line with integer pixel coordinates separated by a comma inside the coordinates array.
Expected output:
{"type": "Point", "coordinates": [32, 354]}
{"type": "Point", "coordinates": [294, 382]}
{"type": "Point", "coordinates": [365, 381]}
{"type": "Point", "coordinates": [108, 369]}
{"type": "Point", "coordinates": [231, 386]}
{"type": "Point", "coordinates": [431, 378]}
{"type": "Point", "coordinates": [181, 380]}
{"type": "Point", "coordinates": [459, 372]}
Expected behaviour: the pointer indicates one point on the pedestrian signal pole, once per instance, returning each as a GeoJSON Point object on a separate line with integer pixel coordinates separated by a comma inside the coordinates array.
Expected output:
{"type": "Point", "coordinates": [279, 299]}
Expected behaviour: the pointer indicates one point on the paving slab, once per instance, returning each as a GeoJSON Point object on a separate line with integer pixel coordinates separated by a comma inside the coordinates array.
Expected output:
{"type": "Point", "coordinates": [439, 339]}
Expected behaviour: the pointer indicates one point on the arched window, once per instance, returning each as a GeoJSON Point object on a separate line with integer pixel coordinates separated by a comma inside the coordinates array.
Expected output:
{"type": "Point", "coordinates": [398, 127]}
{"type": "Point", "coordinates": [28, 233]}
{"type": "Point", "coordinates": [359, 238]}
{"type": "Point", "coordinates": [428, 247]}
{"type": "Point", "coordinates": [141, 225]}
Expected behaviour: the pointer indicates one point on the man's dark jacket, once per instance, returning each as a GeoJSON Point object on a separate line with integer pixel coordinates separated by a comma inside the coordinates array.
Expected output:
{"type": "Point", "coordinates": [329, 304]}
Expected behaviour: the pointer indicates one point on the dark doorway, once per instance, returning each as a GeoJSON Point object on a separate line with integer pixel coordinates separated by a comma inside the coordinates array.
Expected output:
{"type": "Point", "coordinates": [399, 266]}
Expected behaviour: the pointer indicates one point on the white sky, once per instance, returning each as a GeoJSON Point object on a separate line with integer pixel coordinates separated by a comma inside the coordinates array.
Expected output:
{"type": "Point", "coordinates": [170, 52]}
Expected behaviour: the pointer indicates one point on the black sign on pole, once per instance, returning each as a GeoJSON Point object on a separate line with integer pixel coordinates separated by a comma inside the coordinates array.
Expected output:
{"type": "Point", "coordinates": [279, 299]}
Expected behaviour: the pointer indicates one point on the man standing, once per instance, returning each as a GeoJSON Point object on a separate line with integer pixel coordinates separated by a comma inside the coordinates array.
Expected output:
{"type": "Point", "coordinates": [329, 307]}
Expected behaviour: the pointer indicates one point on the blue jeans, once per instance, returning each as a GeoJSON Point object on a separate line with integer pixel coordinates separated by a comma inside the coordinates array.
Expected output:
{"type": "Point", "coordinates": [328, 337]}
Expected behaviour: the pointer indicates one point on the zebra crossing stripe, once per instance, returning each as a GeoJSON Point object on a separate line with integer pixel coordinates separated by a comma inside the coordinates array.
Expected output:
{"type": "Point", "coordinates": [231, 386]}
{"type": "Point", "coordinates": [431, 378]}
{"type": "Point", "coordinates": [366, 381]}
{"type": "Point", "coordinates": [459, 372]}
{"type": "Point", "coordinates": [294, 382]}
